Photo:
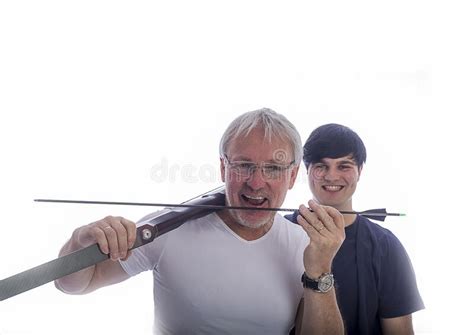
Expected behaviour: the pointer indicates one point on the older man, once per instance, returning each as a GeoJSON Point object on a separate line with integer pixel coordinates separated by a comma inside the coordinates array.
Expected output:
{"type": "Point", "coordinates": [233, 271]}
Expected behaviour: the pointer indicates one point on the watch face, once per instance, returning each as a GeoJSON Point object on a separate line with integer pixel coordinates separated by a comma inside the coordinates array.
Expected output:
{"type": "Point", "coordinates": [325, 282]}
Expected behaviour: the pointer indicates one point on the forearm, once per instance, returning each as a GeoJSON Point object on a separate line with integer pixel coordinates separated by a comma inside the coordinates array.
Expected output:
{"type": "Point", "coordinates": [115, 236]}
{"type": "Point", "coordinates": [402, 325]}
{"type": "Point", "coordinates": [325, 228]}
{"type": "Point", "coordinates": [321, 314]}
{"type": "Point", "coordinates": [75, 283]}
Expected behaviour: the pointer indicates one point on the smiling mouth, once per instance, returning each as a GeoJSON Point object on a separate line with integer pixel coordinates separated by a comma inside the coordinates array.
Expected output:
{"type": "Point", "coordinates": [255, 201]}
{"type": "Point", "coordinates": [333, 188]}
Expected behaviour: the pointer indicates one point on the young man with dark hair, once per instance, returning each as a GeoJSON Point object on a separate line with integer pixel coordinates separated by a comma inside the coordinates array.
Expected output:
{"type": "Point", "coordinates": [375, 282]}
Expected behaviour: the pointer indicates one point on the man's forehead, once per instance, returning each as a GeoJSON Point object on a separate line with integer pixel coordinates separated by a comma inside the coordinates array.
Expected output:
{"type": "Point", "coordinates": [255, 146]}
{"type": "Point", "coordinates": [274, 158]}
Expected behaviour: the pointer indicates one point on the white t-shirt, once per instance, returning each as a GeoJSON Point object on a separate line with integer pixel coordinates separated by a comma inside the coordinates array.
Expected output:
{"type": "Point", "coordinates": [208, 280]}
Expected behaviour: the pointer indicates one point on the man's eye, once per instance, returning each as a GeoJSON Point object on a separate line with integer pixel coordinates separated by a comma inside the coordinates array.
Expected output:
{"type": "Point", "coordinates": [274, 168]}
{"type": "Point", "coordinates": [345, 167]}
{"type": "Point", "coordinates": [245, 165]}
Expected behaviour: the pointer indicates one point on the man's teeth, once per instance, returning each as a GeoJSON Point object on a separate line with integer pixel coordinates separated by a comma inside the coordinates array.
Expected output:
{"type": "Point", "coordinates": [332, 188]}
{"type": "Point", "coordinates": [254, 198]}
{"type": "Point", "coordinates": [256, 201]}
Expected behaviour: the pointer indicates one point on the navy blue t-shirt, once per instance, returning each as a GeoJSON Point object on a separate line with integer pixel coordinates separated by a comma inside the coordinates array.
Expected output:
{"type": "Point", "coordinates": [374, 277]}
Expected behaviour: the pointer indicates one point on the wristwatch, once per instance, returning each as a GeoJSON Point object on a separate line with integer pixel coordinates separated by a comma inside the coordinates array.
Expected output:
{"type": "Point", "coordinates": [323, 284]}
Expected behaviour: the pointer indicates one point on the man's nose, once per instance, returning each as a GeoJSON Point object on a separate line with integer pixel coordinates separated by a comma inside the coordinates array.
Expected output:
{"type": "Point", "coordinates": [256, 180]}
{"type": "Point", "coordinates": [331, 174]}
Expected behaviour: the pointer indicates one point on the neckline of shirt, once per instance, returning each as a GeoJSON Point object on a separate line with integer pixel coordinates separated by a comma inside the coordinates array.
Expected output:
{"type": "Point", "coordinates": [220, 223]}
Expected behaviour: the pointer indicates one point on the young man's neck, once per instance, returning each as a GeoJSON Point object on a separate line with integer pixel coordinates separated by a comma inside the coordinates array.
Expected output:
{"type": "Point", "coordinates": [349, 219]}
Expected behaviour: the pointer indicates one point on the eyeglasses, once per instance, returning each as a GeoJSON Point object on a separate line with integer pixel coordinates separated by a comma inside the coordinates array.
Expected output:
{"type": "Point", "coordinates": [246, 169]}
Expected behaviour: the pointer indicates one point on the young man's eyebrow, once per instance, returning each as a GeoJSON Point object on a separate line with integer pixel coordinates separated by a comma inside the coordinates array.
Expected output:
{"type": "Point", "coordinates": [347, 162]}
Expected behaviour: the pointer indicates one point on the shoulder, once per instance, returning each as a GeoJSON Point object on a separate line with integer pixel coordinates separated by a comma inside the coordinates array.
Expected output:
{"type": "Point", "coordinates": [194, 227]}
{"type": "Point", "coordinates": [376, 231]}
{"type": "Point", "coordinates": [292, 216]}
{"type": "Point", "coordinates": [381, 239]}
{"type": "Point", "coordinates": [286, 221]}
{"type": "Point", "coordinates": [389, 255]}
{"type": "Point", "coordinates": [391, 268]}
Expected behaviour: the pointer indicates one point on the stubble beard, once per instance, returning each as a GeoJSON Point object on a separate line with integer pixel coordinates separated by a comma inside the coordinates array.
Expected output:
{"type": "Point", "coordinates": [239, 219]}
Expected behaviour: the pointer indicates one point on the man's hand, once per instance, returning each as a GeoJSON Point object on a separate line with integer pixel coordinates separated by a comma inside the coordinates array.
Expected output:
{"type": "Point", "coordinates": [325, 228]}
{"type": "Point", "coordinates": [114, 234]}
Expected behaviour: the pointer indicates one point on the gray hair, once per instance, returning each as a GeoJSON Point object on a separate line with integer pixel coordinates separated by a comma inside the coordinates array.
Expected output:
{"type": "Point", "coordinates": [273, 124]}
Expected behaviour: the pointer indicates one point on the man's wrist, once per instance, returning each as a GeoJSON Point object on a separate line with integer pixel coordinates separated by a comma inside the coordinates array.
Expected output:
{"type": "Point", "coordinates": [315, 272]}
{"type": "Point", "coordinates": [322, 284]}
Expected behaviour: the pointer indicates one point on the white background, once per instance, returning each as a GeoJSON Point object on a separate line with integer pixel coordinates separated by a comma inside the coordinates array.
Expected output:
{"type": "Point", "coordinates": [126, 101]}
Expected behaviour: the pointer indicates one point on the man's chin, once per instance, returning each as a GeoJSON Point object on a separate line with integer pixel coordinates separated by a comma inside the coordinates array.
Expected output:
{"type": "Point", "coordinates": [254, 220]}
{"type": "Point", "coordinates": [327, 201]}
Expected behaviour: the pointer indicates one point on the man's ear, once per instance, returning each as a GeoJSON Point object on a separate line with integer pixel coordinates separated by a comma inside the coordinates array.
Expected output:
{"type": "Point", "coordinates": [360, 171]}
{"type": "Point", "coordinates": [294, 174]}
{"type": "Point", "coordinates": [222, 170]}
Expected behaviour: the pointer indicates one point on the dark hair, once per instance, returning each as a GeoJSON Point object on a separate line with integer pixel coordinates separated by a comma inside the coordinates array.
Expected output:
{"type": "Point", "coordinates": [333, 141]}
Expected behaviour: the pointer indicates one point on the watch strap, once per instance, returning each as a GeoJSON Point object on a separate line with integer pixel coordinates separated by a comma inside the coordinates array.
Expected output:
{"type": "Point", "coordinates": [323, 284]}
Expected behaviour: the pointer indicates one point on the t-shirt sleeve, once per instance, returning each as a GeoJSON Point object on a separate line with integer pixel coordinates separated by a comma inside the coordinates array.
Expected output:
{"type": "Point", "coordinates": [145, 257]}
{"type": "Point", "coordinates": [399, 293]}
{"type": "Point", "coordinates": [142, 259]}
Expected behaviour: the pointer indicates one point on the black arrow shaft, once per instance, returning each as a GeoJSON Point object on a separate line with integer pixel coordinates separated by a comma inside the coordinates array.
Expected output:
{"type": "Point", "coordinates": [212, 207]}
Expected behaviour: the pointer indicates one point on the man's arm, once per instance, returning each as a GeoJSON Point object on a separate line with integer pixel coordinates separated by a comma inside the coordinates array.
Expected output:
{"type": "Point", "coordinates": [318, 312]}
{"type": "Point", "coordinates": [398, 326]}
{"type": "Point", "coordinates": [323, 310]}
{"type": "Point", "coordinates": [115, 236]}
{"type": "Point", "coordinates": [399, 296]}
